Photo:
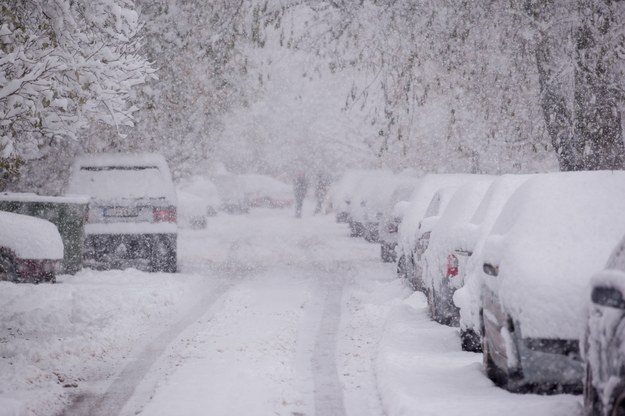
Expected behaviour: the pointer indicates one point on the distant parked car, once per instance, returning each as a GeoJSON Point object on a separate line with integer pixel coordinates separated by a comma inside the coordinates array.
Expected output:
{"type": "Point", "coordinates": [604, 356]}
{"type": "Point", "coordinates": [262, 191]}
{"type": "Point", "coordinates": [132, 212]}
{"type": "Point", "coordinates": [232, 193]}
{"type": "Point", "coordinates": [446, 256]}
{"type": "Point", "coordinates": [342, 191]}
{"type": "Point", "coordinates": [31, 249]}
{"type": "Point", "coordinates": [469, 240]}
{"type": "Point", "coordinates": [198, 199]}
{"type": "Point", "coordinates": [552, 234]}
{"type": "Point", "coordinates": [364, 201]}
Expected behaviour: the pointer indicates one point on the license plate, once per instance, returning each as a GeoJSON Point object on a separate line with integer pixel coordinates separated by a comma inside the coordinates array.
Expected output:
{"type": "Point", "coordinates": [121, 212]}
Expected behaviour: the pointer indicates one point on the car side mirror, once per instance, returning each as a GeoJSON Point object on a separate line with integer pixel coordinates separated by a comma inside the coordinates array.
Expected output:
{"type": "Point", "coordinates": [490, 270]}
{"type": "Point", "coordinates": [608, 296]}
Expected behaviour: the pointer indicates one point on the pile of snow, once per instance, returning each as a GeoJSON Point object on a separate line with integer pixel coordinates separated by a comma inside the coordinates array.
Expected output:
{"type": "Point", "coordinates": [470, 237]}
{"type": "Point", "coordinates": [29, 237]}
{"type": "Point", "coordinates": [113, 176]}
{"type": "Point", "coordinates": [554, 232]}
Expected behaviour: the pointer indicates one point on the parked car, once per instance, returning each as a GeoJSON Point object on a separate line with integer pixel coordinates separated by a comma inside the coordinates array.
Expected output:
{"type": "Point", "coordinates": [379, 195]}
{"type": "Point", "coordinates": [197, 199]}
{"type": "Point", "coordinates": [364, 192]}
{"type": "Point", "coordinates": [262, 191]}
{"type": "Point", "coordinates": [342, 191]}
{"type": "Point", "coordinates": [552, 234]}
{"type": "Point", "coordinates": [468, 241]}
{"type": "Point", "coordinates": [31, 249]}
{"type": "Point", "coordinates": [604, 339]}
{"type": "Point", "coordinates": [232, 193]}
{"type": "Point", "coordinates": [414, 212]}
{"type": "Point", "coordinates": [390, 218]}
{"type": "Point", "coordinates": [132, 211]}
{"type": "Point", "coordinates": [445, 259]}
{"type": "Point", "coordinates": [435, 209]}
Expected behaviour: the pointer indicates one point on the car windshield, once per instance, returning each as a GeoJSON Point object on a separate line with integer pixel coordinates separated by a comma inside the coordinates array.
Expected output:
{"type": "Point", "coordinates": [114, 182]}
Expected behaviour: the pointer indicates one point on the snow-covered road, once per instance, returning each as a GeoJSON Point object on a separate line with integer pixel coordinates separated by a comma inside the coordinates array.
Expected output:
{"type": "Point", "coordinates": [270, 315]}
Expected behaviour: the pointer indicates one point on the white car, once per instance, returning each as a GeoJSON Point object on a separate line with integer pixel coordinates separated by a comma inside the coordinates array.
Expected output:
{"type": "Point", "coordinates": [198, 199]}
{"type": "Point", "coordinates": [413, 213]}
{"type": "Point", "coordinates": [132, 211]}
{"type": "Point", "coordinates": [444, 257]}
{"type": "Point", "coordinates": [468, 241]}
{"type": "Point", "coordinates": [31, 249]}
{"type": "Point", "coordinates": [554, 232]}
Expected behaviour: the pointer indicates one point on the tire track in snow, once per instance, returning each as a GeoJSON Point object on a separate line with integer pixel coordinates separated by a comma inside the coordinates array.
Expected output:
{"type": "Point", "coordinates": [328, 394]}
{"type": "Point", "coordinates": [123, 386]}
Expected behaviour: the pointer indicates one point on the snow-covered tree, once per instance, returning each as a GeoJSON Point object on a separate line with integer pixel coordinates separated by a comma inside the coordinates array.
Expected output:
{"type": "Point", "coordinates": [64, 65]}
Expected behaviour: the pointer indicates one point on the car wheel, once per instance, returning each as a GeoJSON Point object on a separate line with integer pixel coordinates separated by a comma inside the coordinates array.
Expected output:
{"type": "Point", "coordinates": [401, 267]}
{"type": "Point", "coordinates": [387, 253]}
{"type": "Point", "coordinates": [493, 372]}
{"type": "Point", "coordinates": [8, 271]}
{"type": "Point", "coordinates": [592, 404]}
{"type": "Point", "coordinates": [470, 340]}
{"type": "Point", "coordinates": [163, 255]}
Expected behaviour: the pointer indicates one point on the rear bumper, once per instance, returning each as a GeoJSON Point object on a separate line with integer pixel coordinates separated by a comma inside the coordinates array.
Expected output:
{"type": "Point", "coordinates": [119, 251]}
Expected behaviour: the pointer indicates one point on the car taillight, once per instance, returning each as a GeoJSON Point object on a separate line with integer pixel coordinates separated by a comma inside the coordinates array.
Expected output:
{"type": "Point", "coordinates": [164, 214]}
{"type": "Point", "coordinates": [391, 227]}
{"type": "Point", "coordinates": [452, 265]}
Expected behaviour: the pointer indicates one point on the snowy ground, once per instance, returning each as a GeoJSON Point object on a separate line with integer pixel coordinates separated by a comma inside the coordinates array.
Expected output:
{"type": "Point", "coordinates": [270, 316]}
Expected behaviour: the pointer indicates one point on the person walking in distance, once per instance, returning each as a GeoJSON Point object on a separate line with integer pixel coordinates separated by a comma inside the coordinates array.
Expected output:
{"type": "Point", "coordinates": [300, 187]}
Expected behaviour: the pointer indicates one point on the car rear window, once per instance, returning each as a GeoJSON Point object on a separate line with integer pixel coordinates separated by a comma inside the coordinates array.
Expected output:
{"type": "Point", "coordinates": [113, 182]}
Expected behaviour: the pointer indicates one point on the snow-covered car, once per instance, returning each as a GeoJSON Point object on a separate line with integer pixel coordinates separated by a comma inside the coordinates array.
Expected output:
{"type": "Point", "coordinates": [369, 193]}
{"type": "Point", "coordinates": [31, 249]}
{"type": "Point", "coordinates": [468, 240]}
{"type": "Point", "coordinates": [232, 193]}
{"type": "Point", "coordinates": [132, 210]}
{"type": "Point", "coordinates": [554, 232]}
{"type": "Point", "coordinates": [414, 212]}
{"type": "Point", "coordinates": [438, 205]}
{"type": "Point", "coordinates": [198, 199]}
{"type": "Point", "coordinates": [341, 193]}
{"type": "Point", "coordinates": [604, 339]}
{"type": "Point", "coordinates": [390, 216]}
{"type": "Point", "coordinates": [262, 191]}
{"type": "Point", "coordinates": [445, 257]}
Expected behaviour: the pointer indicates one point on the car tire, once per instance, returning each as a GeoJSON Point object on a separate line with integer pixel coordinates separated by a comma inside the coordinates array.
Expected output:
{"type": "Point", "coordinates": [8, 270]}
{"type": "Point", "coordinates": [387, 253]}
{"type": "Point", "coordinates": [592, 403]}
{"type": "Point", "coordinates": [470, 341]}
{"type": "Point", "coordinates": [617, 401]}
{"type": "Point", "coordinates": [402, 273]}
{"type": "Point", "coordinates": [164, 255]}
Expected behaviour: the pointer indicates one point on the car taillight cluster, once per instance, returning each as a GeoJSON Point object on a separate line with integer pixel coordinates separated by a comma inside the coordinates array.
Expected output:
{"type": "Point", "coordinates": [452, 265]}
{"type": "Point", "coordinates": [164, 214]}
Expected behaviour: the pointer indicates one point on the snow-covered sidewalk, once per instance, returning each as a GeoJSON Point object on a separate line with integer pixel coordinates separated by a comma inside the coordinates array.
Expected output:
{"type": "Point", "coordinates": [270, 315]}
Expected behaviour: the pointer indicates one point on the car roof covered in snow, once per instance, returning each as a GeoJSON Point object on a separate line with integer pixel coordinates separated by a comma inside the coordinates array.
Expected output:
{"type": "Point", "coordinates": [113, 176]}
{"type": "Point", "coordinates": [554, 232]}
{"type": "Point", "coordinates": [420, 200]}
{"type": "Point", "coordinates": [29, 237]}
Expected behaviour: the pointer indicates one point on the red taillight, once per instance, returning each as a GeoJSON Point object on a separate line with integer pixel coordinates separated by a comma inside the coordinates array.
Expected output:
{"type": "Point", "coordinates": [166, 214]}
{"type": "Point", "coordinates": [452, 265]}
